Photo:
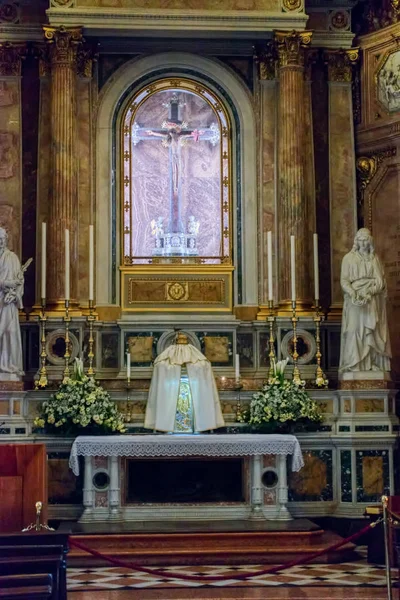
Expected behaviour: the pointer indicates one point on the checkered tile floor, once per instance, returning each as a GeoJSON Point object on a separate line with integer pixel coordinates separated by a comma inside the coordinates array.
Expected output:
{"type": "Point", "coordinates": [353, 574]}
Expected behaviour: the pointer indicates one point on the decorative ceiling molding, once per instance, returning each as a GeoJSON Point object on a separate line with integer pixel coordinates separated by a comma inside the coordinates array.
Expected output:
{"type": "Point", "coordinates": [148, 22]}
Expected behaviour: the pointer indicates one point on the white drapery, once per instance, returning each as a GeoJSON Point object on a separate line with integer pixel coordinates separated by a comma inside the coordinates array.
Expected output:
{"type": "Point", "coordinates": [164, 390]}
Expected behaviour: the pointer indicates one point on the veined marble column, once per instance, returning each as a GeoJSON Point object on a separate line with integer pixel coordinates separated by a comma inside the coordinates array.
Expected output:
{"type": "Point", "coordinates": [292, 205]}
{"type": "Point", "coordinates": [342, 163]}
{"type": "Point", "coordinates": [63, 210]}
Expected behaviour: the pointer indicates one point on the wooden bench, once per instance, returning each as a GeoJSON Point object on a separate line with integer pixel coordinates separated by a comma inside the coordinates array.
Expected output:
{"type": "Point", "coordinates": [36, 553]}
{"type": "Point", "coordinates": [36, 587]}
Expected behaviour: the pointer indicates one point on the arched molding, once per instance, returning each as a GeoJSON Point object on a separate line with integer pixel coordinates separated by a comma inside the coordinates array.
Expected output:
{"type": "Point", "coordinates": [111, 101]}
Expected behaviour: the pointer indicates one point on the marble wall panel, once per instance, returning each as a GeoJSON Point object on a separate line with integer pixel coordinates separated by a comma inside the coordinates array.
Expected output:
{"type": "Point", "coordinates": [385, 203]}
{"type": "Point", "coordinates": [372, 475]}
{"type": "Point", "coordinates": [10, 160]}
{"type": "Point", "coordinates": [44, 165]}
{"type": "Point", "coordinates": [314, 481]}
{"type": "Point", "coordinates": [319, 90]}
{"type": "Point", "coordinates": [342, 180]}
{"type": "Point", "coordinates": [86, 213]}
{"type": "Point", "coordinates": [268, 182]}
{"type": "Point", "coordinates": [345, 474]}
{"type": "Point", "coordinates": [30, 114]}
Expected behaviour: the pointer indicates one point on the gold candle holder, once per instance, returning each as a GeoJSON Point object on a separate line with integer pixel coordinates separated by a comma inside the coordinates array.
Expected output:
{"type": "Point", "coordinates": [238, 386]}
{"type": "Point", "coordinates": [67, 355]}
{"type": "Point", "coordinates": [295, 355]}
{"type": "Point", "coordinates": [320, 379]}
{"type": "Point", "coordinates": [91, 318]}
{"type": "Point", "coordinates": [271, 341]}
{"type": "Point", "coordinates": [43, 381]}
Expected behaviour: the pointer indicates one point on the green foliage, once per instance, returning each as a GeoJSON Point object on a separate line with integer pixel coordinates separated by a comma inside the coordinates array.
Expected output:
{"type": "Point", "coordinates": [80, 405]}
{"type": "Point", "coordinates": [281, 401]}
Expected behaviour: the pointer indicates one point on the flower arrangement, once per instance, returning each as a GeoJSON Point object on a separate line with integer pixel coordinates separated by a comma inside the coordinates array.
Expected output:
{"type": "Point", "coordinates": [282, 401]}
{"type": "Point", "coordinates": [80, 404]}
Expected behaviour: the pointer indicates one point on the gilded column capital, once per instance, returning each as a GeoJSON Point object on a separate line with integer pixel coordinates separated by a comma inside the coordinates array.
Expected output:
{"type": "Point", "coordinates": [290, 46]}
{"type": "Point", "coordinates": [11, 55]}
{"type": "Point", "coordinates": [63, 43]}
{"type": "Point", "coordinates": [266, 61]}
{"type": "Point", "coordinates": [341, 63]}
{"type": "Point", "coordinates": [86, 56]}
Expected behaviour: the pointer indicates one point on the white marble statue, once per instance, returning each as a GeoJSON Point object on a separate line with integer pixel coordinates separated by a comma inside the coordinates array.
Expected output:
{"type": "Point", "coordinates": [11, 292]}
{"type": "Point", "coordinates": [365, 344]}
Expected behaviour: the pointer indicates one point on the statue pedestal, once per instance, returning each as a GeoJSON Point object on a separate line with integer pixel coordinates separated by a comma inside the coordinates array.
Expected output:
{"type": "Point", "coordinates": [366, 376]}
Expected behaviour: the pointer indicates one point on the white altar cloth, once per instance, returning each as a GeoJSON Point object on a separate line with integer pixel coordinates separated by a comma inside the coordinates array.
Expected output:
{"type": "Point", "coordinates": [245, 444]}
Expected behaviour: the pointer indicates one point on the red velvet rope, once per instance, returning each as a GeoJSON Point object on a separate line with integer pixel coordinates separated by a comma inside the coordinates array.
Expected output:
{"type": "Point", "coordinates": [206, 578]}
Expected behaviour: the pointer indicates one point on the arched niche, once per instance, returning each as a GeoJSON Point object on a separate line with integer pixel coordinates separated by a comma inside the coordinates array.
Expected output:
{"type": "Point", "coordinates": [237, 101]}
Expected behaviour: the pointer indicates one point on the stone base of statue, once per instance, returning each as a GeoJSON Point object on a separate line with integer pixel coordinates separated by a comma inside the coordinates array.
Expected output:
{"type": "Point", "coordinates": [11, 384]}
{"type": "Point", "coordinates": [365, 376]}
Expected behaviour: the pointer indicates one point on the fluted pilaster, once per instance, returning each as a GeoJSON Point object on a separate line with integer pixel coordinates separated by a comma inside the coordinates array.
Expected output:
{"type": "Point", "coordinates": [63, 210]}
{"type": "Point", "coordinates": [292, 206]}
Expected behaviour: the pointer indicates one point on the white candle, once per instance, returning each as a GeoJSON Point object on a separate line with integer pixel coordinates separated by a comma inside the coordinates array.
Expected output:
{"type": "Point", "coordinates": [269, 253]}
{"type": "Point", "coordinates": [316, 270]}
{"type": "Point", "coordinates": [293, 267]}
{"type": "Point", "coordinates": [128, 365]}
{"type": "Point", "coordinates": [91, 262]}
{"type": "Point", "coordinates": [43, 292]}
{"type": "Point", "coordinates": [237, 367]}
{"type": "Point", "coordinates": [67, 267]}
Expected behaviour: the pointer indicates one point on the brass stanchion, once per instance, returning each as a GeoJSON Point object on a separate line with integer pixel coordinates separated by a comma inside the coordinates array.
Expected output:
{"type": "Point", "coordinates": [67, 355]}
{"type": "Point", "coordinates": [42, 382]}
{"type": "Point", "coordinates": [271, 341]}
{"type": "Point", "coordinates": [37, 525]}
{"type": "Point", "coordinates": [387, 550]}
{"type": "Point", "coordinates": [295, 355]}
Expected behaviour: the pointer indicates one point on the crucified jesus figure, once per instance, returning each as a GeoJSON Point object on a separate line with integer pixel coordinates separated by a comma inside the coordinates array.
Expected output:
{"type": "Point", "coordinates": [174, 139]}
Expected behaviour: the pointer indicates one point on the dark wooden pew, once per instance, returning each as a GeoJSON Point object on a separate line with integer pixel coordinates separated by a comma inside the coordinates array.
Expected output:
{"type": "Point", "coordinates": [36, 553]}
{"type": "Point", "coordinates": [35, 587]}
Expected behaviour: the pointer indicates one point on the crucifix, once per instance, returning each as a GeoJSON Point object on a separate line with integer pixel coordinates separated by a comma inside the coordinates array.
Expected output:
{"type": "Point", "coordinates": [174, 134]}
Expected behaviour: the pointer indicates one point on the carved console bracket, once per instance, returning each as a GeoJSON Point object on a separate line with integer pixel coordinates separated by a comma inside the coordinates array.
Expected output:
{"type": "Point", "coordinates": [366, 168]}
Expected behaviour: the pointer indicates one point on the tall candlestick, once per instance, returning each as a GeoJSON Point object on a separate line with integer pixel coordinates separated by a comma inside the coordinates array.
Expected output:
{"type": "Point", "coordinates": [316, 270]}
{"type": "Point", "coordinates": [91, 262]}
{"type": "Point", "coordinates": [43, 291]}
{"type": "Point", "coordinates": [269, 252]}
{"type": "Point", "coordinates": [237, 367]}
{"type": "Point", "coordinates": [293, 267]}
{"type": "Point", "coordinates": [67, 267]}
{"type": "Point", "coordinates": [128, 366]}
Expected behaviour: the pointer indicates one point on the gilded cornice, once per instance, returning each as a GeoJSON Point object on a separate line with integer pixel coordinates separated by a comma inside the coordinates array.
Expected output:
{"type": "Point", "coordinates": [291, 46]}
{"type": "Point", "coordinates": [11, 55]}
{"type": "Point", "coordinates": [341, 63]}
{"type": "Point", "coordinates": [63, 43]}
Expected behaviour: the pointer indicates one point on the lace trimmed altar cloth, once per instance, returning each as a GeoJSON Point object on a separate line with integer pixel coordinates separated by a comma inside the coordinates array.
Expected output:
{"type": "Point", "coordinates": [182, 445]}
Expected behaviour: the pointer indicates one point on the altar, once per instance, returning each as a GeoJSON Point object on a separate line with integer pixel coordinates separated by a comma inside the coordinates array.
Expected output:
{"type": "Point", "coordinates": [262, 474]}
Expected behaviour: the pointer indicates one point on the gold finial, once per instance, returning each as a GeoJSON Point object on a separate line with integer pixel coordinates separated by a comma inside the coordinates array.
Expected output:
{"type": "Point", "coordinates": [181, 338]}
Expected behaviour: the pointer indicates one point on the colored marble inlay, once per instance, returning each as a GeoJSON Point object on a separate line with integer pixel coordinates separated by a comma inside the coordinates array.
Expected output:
{"type": "Point", "coordinates": [314, 481]}
{"type": "Point", "coordinates": [345, 475]}
{"type": "Point", "coordinates": [372, 473]}
{"type": "Point", "coordinates": [109, 350]}
{"type": "Point", "coordinates": [370, 405]}
{"type": "Point", "coordinates": [346, 405]}
{"type": "Point", "coordinates": [244, 347]}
